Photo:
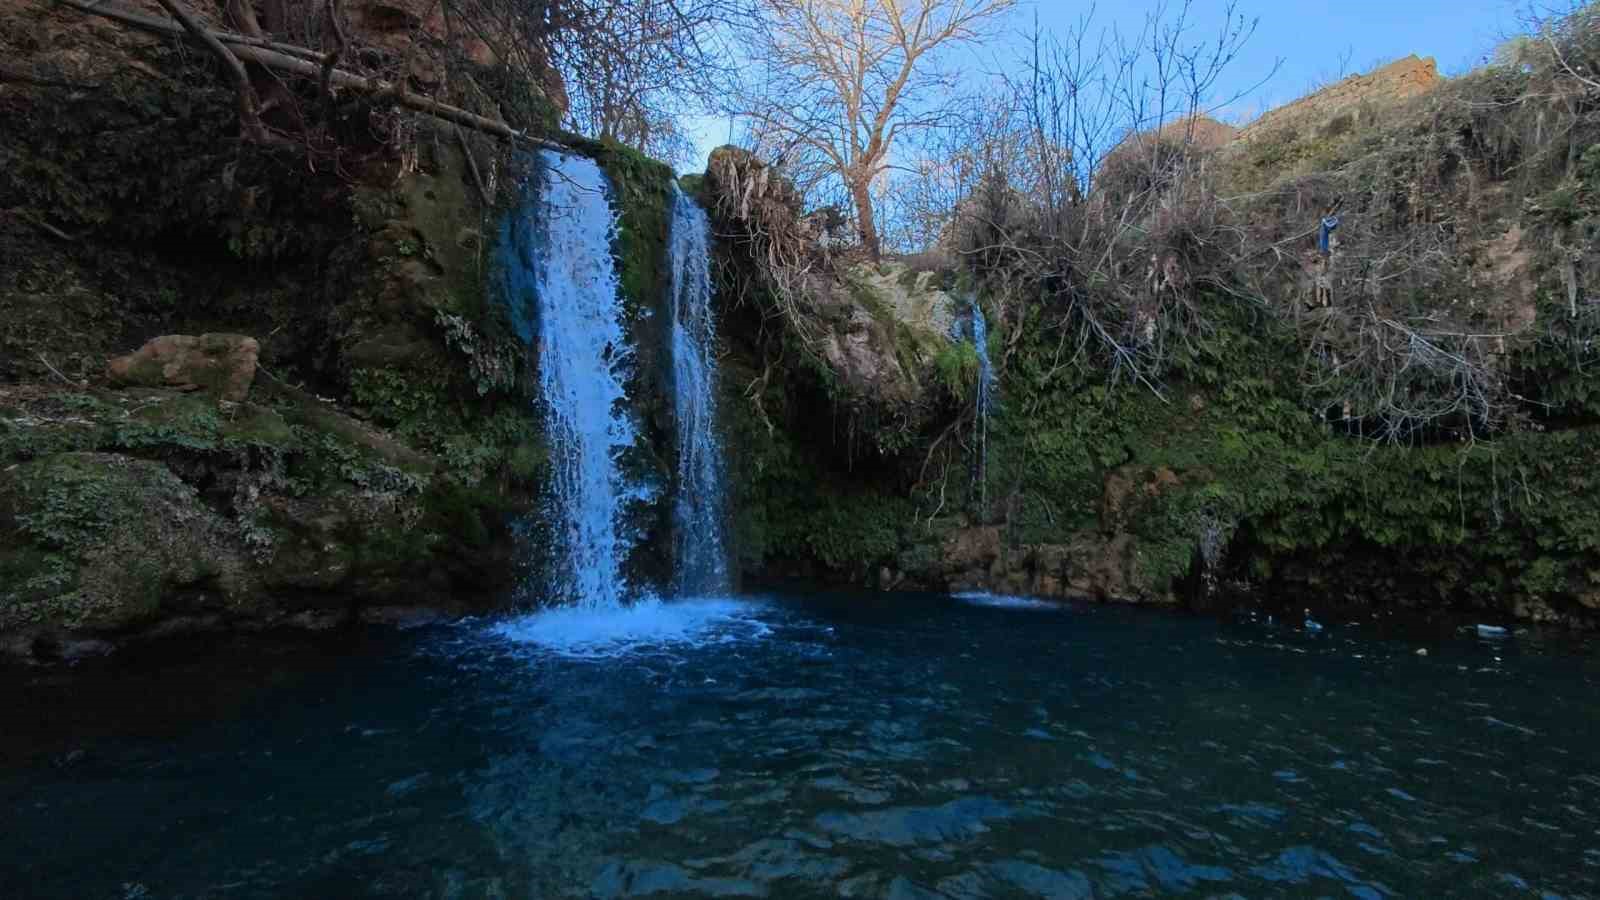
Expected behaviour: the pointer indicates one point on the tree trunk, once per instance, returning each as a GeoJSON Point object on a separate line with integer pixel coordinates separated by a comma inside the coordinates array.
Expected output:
{"type": "Point", "coordinates": [240, 15]}
{"type": "Point", "coordinates": [866, 224]}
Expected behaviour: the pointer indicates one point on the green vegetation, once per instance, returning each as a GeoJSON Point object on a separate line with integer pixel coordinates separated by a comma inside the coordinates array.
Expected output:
{"type": "Point", "coordinates": [98, 541]}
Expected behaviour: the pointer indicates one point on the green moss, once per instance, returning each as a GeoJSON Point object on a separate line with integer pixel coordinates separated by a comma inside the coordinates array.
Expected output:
{"type": "Point", "coordinates": [94, 540]}
{"type": "Point", "coordinates": [1247, 458]}
{"type": "Point", "coordinates": [257, 426]}
{"type": "Point", "coordinates": [956, 366]}
{"type": "Point", "coordinates": [67, 501]}
{"type": "Point", "coordinates": [190, 422]}
{"type": "Point", "coordinates": [642, 195]}
{"type": "Point", "coordinates": [695, 186]}
{"type": "Point", "coordinates": [23, 437]}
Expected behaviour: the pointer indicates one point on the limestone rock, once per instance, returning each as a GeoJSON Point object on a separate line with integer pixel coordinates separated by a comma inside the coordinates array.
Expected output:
{"type": "Point", "coordinates": [223, 365]}
{"type": "Point", "coordinates": [972, 548]}
{"type": "Point", "coordinates": [1393, 83]}
{"type": "Point", "coordinates": [1091, 565]}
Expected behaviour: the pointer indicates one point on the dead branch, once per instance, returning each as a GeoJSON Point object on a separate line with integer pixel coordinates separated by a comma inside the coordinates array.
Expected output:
{"type": "Point", "coordinates": [56, 372]}
{"type": "Point", "coordinates": [249, 107]}
{"type": "Point", "coordinates": [340, 43]}
{"type": "Point", "coordinates": [301, 61]}
{"type": "Point", "coordinates": [42, 225]}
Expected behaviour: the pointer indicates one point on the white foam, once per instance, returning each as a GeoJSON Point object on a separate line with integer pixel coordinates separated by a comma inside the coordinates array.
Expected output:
{"type": "Point", "coordinates": [646, 625]}
{"type": "Point", "coordinates": [1002, 601]}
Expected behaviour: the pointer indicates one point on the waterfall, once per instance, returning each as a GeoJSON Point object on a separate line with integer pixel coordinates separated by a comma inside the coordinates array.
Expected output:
{"type": "Point", "coordinates": [980, 340]}
{"type": "Point", "coordinates": [702, 564]}
{"type": "Point", "coordinates": [562, 284]}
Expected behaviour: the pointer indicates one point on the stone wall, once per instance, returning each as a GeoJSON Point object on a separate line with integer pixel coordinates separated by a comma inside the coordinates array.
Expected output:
{"type": "Point", "coordinates": [1397, 81]}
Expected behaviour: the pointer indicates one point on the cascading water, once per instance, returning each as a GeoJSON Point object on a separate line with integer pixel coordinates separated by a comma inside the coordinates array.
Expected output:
{"type": "Point", "coordinates": [702, 565]}
{"type": "Point", "coordinates": [562, 285]}
{"type": "Point", "coordinates": [563, 288]}
{"type": "Point", "coordinates": [980, 340]}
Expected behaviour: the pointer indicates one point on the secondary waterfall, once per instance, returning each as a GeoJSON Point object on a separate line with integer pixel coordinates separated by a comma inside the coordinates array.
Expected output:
{"type": "Point", "coordinates": [980, 340]}
{"type": "Point", "coordinates": [702, 564]}
{"type": "Point", "coordinates": [562, 285]}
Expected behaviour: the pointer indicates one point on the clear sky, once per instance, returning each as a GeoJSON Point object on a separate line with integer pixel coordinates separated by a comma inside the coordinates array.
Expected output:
{"type": "Point", "coordinates": [1310, 37]}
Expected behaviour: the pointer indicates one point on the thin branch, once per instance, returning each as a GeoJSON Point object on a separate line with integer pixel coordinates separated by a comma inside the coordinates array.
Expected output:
{"type": "Point", "coordinates": [56, 372]}
{"type": "Point", "coordinates": [340, 43]}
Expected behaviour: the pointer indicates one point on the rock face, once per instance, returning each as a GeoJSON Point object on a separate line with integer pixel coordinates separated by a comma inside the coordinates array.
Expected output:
{"type": "Point", "coordinates": [1102, 563]}
{"type": "Point", "coordinates": [882, 326]}
{"type": "Point", "coordinates": [1397, 81]}
{"type": "Point", "coordinates": [141, 510]}
{"type": "Point", "coordinates": [874, 328]}
{"type": "Point", "coordinates": [1092, 565]}
{"type": "Point", "coordinates": [223, 365]}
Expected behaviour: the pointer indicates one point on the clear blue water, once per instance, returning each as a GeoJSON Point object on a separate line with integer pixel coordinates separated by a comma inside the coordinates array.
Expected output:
{"type": "Point", "coordinates": [862, 746]}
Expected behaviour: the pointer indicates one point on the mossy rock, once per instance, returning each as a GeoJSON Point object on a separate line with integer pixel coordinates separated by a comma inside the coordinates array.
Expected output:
{"type": "Point", "coordinates": [98, 541]}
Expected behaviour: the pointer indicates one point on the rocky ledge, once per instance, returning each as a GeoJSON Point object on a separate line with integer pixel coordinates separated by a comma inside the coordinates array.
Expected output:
{"type": "Point", "coordinates": [193, 497]}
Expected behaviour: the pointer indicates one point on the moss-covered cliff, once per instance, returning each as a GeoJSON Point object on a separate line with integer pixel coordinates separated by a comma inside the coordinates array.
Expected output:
{"type": "Point", "coordinates": [391, 442]}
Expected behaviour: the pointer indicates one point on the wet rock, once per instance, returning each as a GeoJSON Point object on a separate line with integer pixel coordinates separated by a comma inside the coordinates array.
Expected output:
{"type": "Point", "coordinates": [1092, 565]}
{"type": "Point", "coordinates": [972, 548]}
{"type": "Point", "coordinates": [223, 365]}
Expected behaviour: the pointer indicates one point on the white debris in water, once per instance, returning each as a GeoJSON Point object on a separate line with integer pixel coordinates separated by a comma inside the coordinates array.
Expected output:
{"type": "Point", "coordinates": [1001, 601]}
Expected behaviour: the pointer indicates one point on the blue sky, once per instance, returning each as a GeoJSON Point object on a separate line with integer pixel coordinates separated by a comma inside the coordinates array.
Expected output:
{"type": "Point", "coordinates": [1309, 37]}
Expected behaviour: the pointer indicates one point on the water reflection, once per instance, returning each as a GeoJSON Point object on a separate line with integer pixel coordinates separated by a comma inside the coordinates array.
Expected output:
{"type": "Point", "coordinates": [849, 749]}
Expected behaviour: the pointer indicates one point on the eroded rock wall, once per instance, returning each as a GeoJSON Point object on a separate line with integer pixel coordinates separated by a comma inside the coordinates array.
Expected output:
{"type": "Point", "coordinates": [1386, 85]}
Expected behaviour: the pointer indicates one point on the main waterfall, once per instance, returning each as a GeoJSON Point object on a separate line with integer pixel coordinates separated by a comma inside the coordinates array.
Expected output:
{"type": "Point", "coordinates": [564, 294]}
{"type": "Point", "coordinates": [701, 555]}
{"type": "Point", "coordinates": [561, 283]}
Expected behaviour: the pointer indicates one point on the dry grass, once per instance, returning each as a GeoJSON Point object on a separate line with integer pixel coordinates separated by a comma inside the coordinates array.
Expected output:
{"type": "Point", "coordinates": [1463, 212]}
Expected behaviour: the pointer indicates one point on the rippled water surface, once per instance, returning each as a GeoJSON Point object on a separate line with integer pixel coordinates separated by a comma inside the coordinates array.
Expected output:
{"type": "Point", "coordinates": [848, 746]}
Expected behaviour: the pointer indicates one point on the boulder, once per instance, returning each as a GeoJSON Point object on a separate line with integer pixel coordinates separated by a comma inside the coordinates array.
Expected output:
{"type": "Point", "coordinates": [972, 548]}
{"type": "Point", "coordinates": [99, 542]}
{"type": "Point", "coordinates": [224, 365]}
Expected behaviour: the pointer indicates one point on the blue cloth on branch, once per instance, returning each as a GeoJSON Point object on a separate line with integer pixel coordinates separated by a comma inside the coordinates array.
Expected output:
{"type": "Point", "coordinates": [1325, 233]}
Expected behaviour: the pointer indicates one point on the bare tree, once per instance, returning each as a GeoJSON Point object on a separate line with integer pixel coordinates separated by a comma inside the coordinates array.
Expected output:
{"type": "Point", "coordinates": [1100, 210]}
{"type": "Point", "coordinates": [631, 68]}
{"type": "Point", "coordinates": [840, 81]}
